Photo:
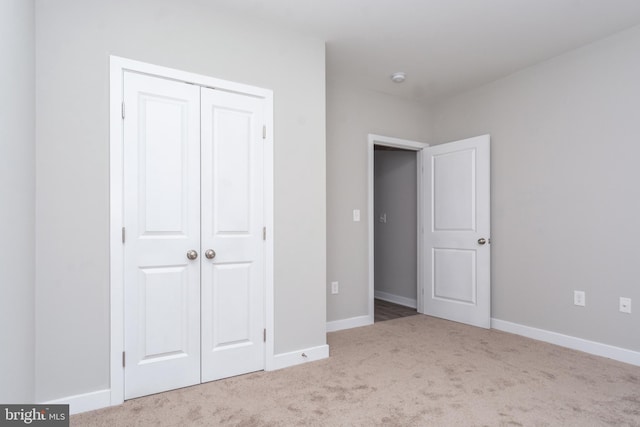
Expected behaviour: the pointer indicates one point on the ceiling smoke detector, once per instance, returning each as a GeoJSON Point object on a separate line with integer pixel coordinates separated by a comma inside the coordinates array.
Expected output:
{"type": "Point", "coordinates": [398, 77]}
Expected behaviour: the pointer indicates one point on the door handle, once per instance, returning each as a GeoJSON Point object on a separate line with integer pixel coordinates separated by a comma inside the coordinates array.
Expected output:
{"type": "Point", "coordinates": [210, 254]}
{"type": "Point", "coordinates": [482, 241]}
{"type": "Point", "coordinates": [192, 254]}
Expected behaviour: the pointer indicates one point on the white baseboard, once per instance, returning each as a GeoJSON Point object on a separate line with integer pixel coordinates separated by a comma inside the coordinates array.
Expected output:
{"type": "Point", "coordinates": [352, 322]}
{"type": "Point", "coordinates": [298, 357]}
{"type": "Point", "coordinates": [396, 299]}
{"type": "Point", "coordinates": [591, 347]}
{"type": "Point", "coordinates": [84, 402]}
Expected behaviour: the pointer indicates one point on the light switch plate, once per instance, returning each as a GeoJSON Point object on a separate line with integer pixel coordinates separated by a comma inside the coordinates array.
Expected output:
{"type": "Point", "coordinates": [625, 305]}
{"type": "Point", "coordinates": [356, 215]}
{"type": "Point", "coordinates": [579, 298]}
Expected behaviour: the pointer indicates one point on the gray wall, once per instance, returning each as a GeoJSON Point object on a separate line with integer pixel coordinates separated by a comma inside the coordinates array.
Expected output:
{"type": "Point", "coordinates": [395, 194]}
{"type": "Point", "coordinates": [565, 188]}
{"type": "Point", "coordinates": [74, 41]}
{"type": "Point", "coordinates": [353, 113]}
{"type": "Point", "coordinates": [17, 195]}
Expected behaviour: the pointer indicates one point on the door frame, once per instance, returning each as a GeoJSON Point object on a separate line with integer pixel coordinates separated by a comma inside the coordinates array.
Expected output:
{"type": "Point", "coordinates": [404, 144]}
{"type": "Point", "coordinates": [118, 66]}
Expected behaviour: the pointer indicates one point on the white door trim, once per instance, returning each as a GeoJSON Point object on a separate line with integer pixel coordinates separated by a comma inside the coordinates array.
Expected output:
{"type": "Point", "coordinates": [118, 66]}
{"type": "Point", "coordinates": [405, 144]}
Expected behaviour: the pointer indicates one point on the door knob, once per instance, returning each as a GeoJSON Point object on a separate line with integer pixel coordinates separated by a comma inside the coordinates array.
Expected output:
{"type": "Point", "coordinates": [192, 254]}
{"type": "Point", "coordinates": [482, 241]}
{"type": "Point", "coordinates": [210, 254]}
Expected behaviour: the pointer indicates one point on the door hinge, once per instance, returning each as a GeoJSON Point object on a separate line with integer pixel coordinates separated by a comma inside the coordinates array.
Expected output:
{"type": "Point", "coordinates": [123, 234]}
{"type": "Point", "coordinates": [123, 110]}
{"type": "Point", "coordinates": [264, 335]}
{"type": "Point", "coordinates": [264, 132]}
{"type": "Point", "coordinates": [264, 233]}
{"type": "Point", "coordinates": [123, 359]}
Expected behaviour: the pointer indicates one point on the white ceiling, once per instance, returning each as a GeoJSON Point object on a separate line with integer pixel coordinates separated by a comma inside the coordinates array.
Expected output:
{"type": "Point", "coordinates": [444, 46]}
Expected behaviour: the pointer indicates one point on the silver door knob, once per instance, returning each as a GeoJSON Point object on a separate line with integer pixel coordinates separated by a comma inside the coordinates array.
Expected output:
{"type": "Point", "coordinates": [192, 254]}
{"type": "Point", "coordinates": [210, 254]}
{"type": "Point", "coordinates": [482, 241]}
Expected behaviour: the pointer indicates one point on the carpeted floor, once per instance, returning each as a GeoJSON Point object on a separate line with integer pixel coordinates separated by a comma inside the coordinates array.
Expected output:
{"type": "Point", "coordinates": [413, 371]}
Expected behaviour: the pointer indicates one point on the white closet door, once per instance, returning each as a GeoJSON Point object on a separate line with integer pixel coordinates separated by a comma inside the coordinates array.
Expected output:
{"type": "Point", "coordinates": [162, 221]}
{"type": "Point", "coordinates": [232, 227]}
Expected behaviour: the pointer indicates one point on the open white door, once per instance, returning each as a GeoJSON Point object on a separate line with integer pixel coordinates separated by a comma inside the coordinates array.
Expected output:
{"type": "Point", "coordinates": [456, 231]}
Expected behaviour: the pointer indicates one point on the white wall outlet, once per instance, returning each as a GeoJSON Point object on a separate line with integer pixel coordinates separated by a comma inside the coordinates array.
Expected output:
{"type": "Point", "coordinates": [579, 298]}
{"type": "Point", "coordinates": [356, 215]}
{"type": "Point", "coordinates": [334, 288]}
{"type": "Point", "coordinates": [625, 305]}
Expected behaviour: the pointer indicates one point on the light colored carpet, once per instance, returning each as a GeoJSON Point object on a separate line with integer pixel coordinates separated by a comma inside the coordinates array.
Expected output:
{"type": "Point", "coordinates": [413, 371]}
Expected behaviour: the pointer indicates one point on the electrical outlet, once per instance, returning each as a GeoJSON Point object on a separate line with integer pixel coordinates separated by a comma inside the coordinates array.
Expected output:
{"type": "Point", "coordinates": [334, 288]}
{"type": "Point", "coordinates": [625, 305]}
{"type": "Point", "coordinates": [579, 298]}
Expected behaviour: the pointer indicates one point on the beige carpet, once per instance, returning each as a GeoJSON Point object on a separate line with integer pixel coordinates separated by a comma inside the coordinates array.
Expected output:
{"type": "Point", "coordinates": [414, 371]}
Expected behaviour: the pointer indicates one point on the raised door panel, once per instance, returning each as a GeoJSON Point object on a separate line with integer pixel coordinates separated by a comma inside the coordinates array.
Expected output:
{"type": "Point", "coordinates": [454, 275]}
{"type": "Point", "coordinates": [163, 321]}
{"type": "Point", "coordinates": [163, 176]}
{"type": "Point", "coordinates": [454, 210]}
{"type": "Point", "coordinates": [230, 302]}
{"type": "Point", "coordinates": [232, 174]}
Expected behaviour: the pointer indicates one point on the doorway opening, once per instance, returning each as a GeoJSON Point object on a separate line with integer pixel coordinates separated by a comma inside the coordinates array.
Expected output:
{"type": "Point", "coordinates": [395, 218]}
{"type": "Point", "coordinates": [453, 227]}
{"type": "Point", "coordinates": [395, 201]}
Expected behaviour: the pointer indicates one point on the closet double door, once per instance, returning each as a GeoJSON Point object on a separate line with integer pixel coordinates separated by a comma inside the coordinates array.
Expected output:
{"type": "Point", "coordinates": [193, 234]}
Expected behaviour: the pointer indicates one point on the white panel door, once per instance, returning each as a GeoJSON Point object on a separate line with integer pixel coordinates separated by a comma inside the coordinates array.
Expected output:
{"type": "Point", "coordinates": [162, 222]}
{"type": "Point", "coordinates": [232, 235]}
{"type": "Point", "coordinates": [456, 231]}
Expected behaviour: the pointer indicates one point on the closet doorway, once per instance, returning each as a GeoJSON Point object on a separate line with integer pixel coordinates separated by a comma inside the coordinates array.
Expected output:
{"type": "Point", "coordinates": [191, 226]}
